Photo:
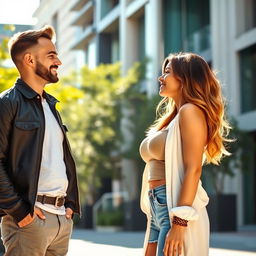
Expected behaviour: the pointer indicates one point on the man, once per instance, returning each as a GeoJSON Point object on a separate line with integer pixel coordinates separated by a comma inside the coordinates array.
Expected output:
{"type": "Point", "coordinates": [38, 184]}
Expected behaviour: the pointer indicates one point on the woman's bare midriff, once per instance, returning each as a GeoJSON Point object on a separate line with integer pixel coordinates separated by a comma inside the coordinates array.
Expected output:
{"type": "Point", "coordinates": [156, 183]}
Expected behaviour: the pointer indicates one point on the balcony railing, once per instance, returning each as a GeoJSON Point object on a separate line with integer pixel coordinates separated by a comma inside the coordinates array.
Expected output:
{"type": "Point", "coordinates": [85, 15]}
{"type": "Point", "coordinates": [109, 209]}
{"type": "Point", "coordinates": [78, 4]}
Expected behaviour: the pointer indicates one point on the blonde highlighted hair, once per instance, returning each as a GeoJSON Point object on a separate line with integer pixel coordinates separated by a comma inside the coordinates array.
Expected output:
{"type": "Point", "coordinates": [201, 88]}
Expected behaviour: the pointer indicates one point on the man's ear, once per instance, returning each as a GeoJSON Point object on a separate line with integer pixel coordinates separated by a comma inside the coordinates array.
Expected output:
{"type": "Point", "coordinates": [28, 59]}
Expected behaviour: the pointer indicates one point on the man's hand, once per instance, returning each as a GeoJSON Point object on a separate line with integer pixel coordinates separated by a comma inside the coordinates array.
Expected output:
{"type": "Point", "coordinates": [69, 213]}
{"type": "Point", "coordinates": [28, 219]}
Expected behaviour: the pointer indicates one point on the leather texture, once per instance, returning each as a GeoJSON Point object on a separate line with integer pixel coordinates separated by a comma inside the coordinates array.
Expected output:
{"type": "Point", "coordinates": [21, 139]}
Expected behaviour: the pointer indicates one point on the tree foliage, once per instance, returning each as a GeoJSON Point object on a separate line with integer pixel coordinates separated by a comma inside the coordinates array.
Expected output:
{"type": "Point", "coordinates": [8, 75]}
{"type": "Point", "coordinates": [241, 149]}
{"type": "Point", "coordinates": [90, 105]}
{"type": "Point", "coordinates": [92, 112]}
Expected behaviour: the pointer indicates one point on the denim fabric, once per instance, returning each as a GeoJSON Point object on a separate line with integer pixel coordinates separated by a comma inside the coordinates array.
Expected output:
{"type": "Point", "coordinates": [160, 222]}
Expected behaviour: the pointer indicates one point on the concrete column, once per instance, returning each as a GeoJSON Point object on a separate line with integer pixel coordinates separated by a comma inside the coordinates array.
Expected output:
{"type": "Point", "coordinates": [220, 38]}
{"type": "Point", "coordinates": [97, 36]}
{"type": "Point", "coordinates": [154, 43]}
{"type": "Point", "coordinates": [225, 61]}
{"type": "Point", "coordinates": [128, 55]}
{"type": "Point", "coordinates": [128, 39]}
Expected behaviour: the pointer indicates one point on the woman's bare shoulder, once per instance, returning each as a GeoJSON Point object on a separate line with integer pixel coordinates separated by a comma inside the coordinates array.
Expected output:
{"type": "Point", "coordinates": [193, 125]}
{"type": "Point", "coordinates": [190, 112]}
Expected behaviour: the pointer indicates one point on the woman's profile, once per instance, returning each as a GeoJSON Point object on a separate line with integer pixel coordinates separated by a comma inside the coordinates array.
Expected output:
{"type": "Point", "coordinates": [190, 130]}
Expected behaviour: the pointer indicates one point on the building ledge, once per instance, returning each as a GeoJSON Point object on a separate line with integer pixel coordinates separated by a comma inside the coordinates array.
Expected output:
{"type": "Point", "coordinates": [110, 19]}
{"type": "Point", "coordinates": [83, 38]}
{"type": "Point", "coordinates": [78, 5]}
{"type": "Point", "coordinates": [245, 40]}
{"type": "Point", "coordinates": [84, 16]}
{"type": "Point", "coordinates": [134, 7]}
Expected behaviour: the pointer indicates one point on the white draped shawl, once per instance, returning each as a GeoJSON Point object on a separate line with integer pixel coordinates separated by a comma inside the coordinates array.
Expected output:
{"type": "Point", "coordinates": [196, 241]}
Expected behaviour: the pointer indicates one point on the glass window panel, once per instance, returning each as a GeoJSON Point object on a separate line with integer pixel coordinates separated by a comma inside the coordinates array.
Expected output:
{"type": "Point", "coordinates": [115, 48]}
{"type": "Point", "coordinates": [248, 78]}
{"type": "Point", "coordinates": [246, 11]}
{"type": "Point", "coordinates": [107, 6]}
{"type": "Point", "coordinates": [172, 22]}
{"type": "Point", "coordinates": [249, 180]}
{"type": "Point", "coordinates": [186, 25]}
{"type": "Point", "coordinates": [197, 35]}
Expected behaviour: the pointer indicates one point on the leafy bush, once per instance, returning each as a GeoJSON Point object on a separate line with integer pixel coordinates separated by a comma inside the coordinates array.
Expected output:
{"type": "Point", "coordinates": [111, 218]}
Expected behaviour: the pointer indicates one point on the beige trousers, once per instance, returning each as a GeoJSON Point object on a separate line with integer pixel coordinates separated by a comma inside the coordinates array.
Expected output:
{"type": "Point", "coordinates": [49, 237]}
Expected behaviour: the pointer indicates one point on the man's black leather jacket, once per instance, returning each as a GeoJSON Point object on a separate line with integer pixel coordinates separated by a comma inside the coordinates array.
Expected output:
{"type": "Point", "coordinates": [22, 127]}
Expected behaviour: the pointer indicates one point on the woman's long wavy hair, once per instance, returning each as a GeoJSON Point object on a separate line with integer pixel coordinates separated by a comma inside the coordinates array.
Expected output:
{"type": "Point", "coordinates": [202, 88]}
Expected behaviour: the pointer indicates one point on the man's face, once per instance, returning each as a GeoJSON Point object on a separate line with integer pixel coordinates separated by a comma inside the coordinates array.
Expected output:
{"type": "Point", "coordinates": [47, 61]}
{"type": "Point", "coordinates": [47, 73]}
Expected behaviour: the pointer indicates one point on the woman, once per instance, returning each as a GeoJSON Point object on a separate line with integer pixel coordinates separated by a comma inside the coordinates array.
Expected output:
{"type": "Point", "coordinates": [191, 130]}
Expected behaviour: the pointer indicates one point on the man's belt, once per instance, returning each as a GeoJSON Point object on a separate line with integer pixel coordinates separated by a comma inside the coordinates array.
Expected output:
{"type": "Point", "coordinates": [56, 201]}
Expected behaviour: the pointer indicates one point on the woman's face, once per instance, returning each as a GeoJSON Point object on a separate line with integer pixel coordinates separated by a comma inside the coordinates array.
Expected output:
{"type": "Point", "coordinates": [169, 85]}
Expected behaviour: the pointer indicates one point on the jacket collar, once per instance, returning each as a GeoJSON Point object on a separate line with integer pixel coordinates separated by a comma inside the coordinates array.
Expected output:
{"type": "Point", "coordinates": [29, 93]}
{"type": "Point", "coordinates": [49, 98]}
{"type": "Point", "coordinates": [25, 89]}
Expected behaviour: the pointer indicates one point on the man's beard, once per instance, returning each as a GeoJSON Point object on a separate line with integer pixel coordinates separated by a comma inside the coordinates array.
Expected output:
{"type": "Point", "coordinates": [46, 74]}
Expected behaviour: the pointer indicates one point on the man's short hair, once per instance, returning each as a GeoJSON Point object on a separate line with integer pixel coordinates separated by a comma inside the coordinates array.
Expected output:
{"type": "Point", "coordinates": [22, 41]}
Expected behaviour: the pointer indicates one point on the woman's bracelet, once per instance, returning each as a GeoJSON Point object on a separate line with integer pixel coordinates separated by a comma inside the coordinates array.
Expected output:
{"type": "Point", "coordinates": [178, 221]}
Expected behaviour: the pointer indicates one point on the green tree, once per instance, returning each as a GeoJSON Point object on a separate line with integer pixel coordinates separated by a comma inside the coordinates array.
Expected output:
{"type": "Point", "coordinates": [92, 112]}
{"type": "Point", "coordinates": [241, 149]}
{"type": "Point", "coordinates": [8, 75]}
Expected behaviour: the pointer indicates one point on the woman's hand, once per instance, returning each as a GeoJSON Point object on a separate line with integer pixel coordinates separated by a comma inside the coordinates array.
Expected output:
{"type": "Point", "coordinates": [174, 241]}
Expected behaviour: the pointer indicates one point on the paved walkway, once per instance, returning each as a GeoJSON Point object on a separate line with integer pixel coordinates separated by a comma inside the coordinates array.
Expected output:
{"type": "Point", "coordinates": [92, 243]}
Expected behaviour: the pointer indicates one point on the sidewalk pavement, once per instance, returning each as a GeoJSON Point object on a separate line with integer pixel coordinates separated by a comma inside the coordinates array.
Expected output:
{"type": "Point", "coordinates": [95, 243]}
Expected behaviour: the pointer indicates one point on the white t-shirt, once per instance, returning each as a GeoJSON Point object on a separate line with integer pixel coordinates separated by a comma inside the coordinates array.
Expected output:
{"type": "Point", "coordinates": [53, 179]}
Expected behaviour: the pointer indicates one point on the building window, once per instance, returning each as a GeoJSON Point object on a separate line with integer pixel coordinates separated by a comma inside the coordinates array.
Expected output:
{"type": "Point", "coordinates": [248, 78]}
{"type": "Point", "coordinates": [246, 11]}
{"type": "Point", "coordinates": [186, 25]}
{"type": "Point", "coordinates": [249, 181]}
{"type": "Point", "coordinates": [107, 6]}
{"type": "Point", "coordinates": [109, 47]}
{"type": "Point", "coordinates": [197, 25]}
{"type": "Point", "coordinates": [115, 47]}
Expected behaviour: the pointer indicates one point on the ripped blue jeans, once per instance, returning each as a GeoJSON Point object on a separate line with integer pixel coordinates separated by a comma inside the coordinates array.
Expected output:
{"type": "Point", "coordinates": [160, 222]}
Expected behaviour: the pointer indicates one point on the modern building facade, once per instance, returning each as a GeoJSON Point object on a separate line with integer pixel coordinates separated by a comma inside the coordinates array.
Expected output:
{"type": "Point", "coordinates": [59, 14]}
{"type": "Point", "coordinates": [234, 55]}
{"type": "Point", "coordinates": [107, 31]}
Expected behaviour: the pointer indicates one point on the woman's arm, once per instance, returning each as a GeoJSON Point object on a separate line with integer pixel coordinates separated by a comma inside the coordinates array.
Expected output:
{"type": "Point", "coordinates": [193, 129]}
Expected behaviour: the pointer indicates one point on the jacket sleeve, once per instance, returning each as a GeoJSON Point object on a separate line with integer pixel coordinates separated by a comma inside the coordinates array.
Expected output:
{"type": "Point", "coordinates": [10, 202]}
